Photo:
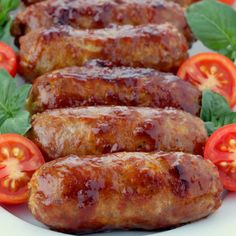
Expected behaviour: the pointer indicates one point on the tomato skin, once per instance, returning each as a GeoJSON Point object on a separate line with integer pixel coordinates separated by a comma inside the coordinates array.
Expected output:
{"type": "Point", "coordinates": [211, 71]}
{"type": "Point", "coordinates": [220, 149]}
{"type": "Point", "coordinates": [19, 158]}
{"type": "Point", "coordinates": [229, 2]}
{"type": "Point", "coordinates": [8, 59]}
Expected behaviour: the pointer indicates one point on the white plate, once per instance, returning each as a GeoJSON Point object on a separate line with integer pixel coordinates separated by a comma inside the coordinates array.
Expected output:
{"type": "Point", "coordinates": [17, 220]}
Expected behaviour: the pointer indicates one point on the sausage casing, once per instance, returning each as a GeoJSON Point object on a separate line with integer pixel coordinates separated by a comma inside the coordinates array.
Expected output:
{"type": "Point", "coordinates": [80, 86]}
{"type": "Point", "coordinates": [96, 14]}
{"type": "Point", "coordinates": [183, 3]}
{"type": "Point", "coordinates": [160, 47]}
{"type": "Point", "coordinates": [124, 190]}
{"type": "Point", "coordinates": [98, 130]}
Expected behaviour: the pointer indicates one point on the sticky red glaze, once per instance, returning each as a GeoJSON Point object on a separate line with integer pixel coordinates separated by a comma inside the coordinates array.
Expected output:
{"type": "Point", "coordinates": [80, 86]}
{"type": "Point", "coordinates": [156, 46]}
{"type": "Point", "coordinates": [97, 130]}
{"type": "Point", "coordinates": [96, 14]}
{"type": "Point", "coordinates": [183, 3]}
{"type": "Point", "coordinates": [124, 190]}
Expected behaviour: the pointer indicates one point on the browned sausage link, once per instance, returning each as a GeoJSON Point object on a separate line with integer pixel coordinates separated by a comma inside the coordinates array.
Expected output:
{"type": "Point", "coordinates": [183, 3]}
{"type": "Point", "coordinates": [157, 46]}
{"type": "Point", "coordinates": [78, 86]}
{"type": "Point", "coordinates": [29, 2]}
{"type": "Point", "coordinates": [124, 191]}
{"type": "Point", "coordinates": [95, 14]}
{"type": "Point", "coordinates": [97, 130]}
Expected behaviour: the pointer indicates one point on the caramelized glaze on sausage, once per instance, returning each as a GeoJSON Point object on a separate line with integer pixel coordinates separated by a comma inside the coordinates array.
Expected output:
{"type": "Point", "coordinates": [98, 130]}
{"type": "Point", "coordinates": [93, 85]}
{"type": "Point", "coordinates": [156, 46]}
{"type": "Point", "coordinates": [124, 191]}
{"type": "Point", "coordinates": [96, 14]}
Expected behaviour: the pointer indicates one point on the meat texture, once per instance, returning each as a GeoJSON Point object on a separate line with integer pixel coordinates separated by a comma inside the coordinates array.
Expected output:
{"type": "Point", "coordinates": [98, 130]}
{"type": "Point", "coordinates": [124, 191]}
{"type": "Point", "coordinates": [157, 46]}
{"type": "Point", "coordinates": [80, 86]}
{"type": "Point", "coordinates": [183, 3]}
{"type": "Point", "coordinates": [96, 14]}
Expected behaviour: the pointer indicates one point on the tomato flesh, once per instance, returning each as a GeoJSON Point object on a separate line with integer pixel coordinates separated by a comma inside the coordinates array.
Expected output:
{"type": "Point", "coordinates": [8, 59]}
{"type": "Point", "coordinates": [211, 71]}
{"type": "Point", "coordinates": [221, 150]}
{"type": "Point", "coordinates": [19, 158]}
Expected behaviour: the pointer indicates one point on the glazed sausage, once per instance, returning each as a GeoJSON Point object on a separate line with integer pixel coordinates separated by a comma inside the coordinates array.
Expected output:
{"type": "Point", "coordinates": [80, 86]}
{"type": "Point", "coordinates": [183, 3]}
{"type": "Point", "coordinates": [124, 191]}
{"type": "Point", "coordinates": [98, 130]}
{"type": "Point", "coordinates": [96, 14]}
{"type": "Point", "coordinates": [157, 46]}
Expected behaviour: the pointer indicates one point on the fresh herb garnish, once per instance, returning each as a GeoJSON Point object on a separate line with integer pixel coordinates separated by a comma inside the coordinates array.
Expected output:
{"type": "Point", "coordinates": [6, 6]}
{"type": "Point", "coordinates": [13, 116]}
{"type": "Point", "coordinates": [215, 111]}
{"type": "Point", "coordinates": [213, 23]}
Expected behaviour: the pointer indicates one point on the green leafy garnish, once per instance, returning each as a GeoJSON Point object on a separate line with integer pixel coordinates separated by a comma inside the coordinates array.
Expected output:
{"type": "Point", "coordinates": [215, 111]}
{"type": "Point", "coordinates": [213, 23]}
{"type": "Point", "coordinates": [6, 6]}
{"type": "Point", "coordinates": [13, 116]}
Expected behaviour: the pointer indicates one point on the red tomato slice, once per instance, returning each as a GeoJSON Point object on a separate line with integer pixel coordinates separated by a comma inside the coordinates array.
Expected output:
{"type": "Point", "coordinates": [221, 150]}
{"type": "Point", "coordinates": [211, 71]}
{"type": "Point", "coordinates": [8, 59]}
{"type": "Point", "coordinates": [19, 158]}
{"type": "Point", "coordinates": [229, 2]}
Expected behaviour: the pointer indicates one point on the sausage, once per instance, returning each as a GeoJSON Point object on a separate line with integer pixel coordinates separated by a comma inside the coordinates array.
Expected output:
{"type": "Point", "coordinates": [183, 3]}
{"type": "Point", "coordinates": [124, 191]}
{"type": "Point", "coordinates": [160, 47]}
{"type": "Point", "coordinates": [96, 14]}
{"type": "Point", "coordinates": [99, 130]}
{"type": "Point", "coordinates": [80, 86]}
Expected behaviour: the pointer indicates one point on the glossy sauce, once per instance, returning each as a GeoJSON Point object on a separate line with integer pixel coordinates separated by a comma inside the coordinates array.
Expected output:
{"type": "Point", "coordinates": [98, 130]}
{"type": "Point", "coordinates": [93, 85]}
{"type": "Point", "coordinates": [124, 190]}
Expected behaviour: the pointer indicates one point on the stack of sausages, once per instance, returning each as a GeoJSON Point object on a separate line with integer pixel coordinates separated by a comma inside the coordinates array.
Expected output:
{"type": "Point", "coordinates": [121, 132]}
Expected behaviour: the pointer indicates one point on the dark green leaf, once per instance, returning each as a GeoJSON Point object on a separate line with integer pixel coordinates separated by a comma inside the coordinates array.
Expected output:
{"type": "Point", "coordinates": [215, 111]}
{"type": "Point", "coordinates": [19, 124]}
{"type": "Point", "coordinates": [6, 6]}
{"type": "Point", "coordinates": [214, 24]}
{"type": "Point", "coordinates": [13, 117]}
{"type": "Point", "coordinates": [5, 35]}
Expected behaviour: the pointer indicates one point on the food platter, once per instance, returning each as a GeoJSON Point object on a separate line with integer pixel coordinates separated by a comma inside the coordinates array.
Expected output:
{"type": "Point", "coordinates": [160, 182]}
{"type": "Point", "coordinates": [17, 220]}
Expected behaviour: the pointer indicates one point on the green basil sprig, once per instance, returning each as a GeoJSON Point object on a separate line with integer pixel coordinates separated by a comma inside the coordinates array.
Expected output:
{"type": "Point", "coordinates": [13, 116]}
{"type": "Point", "coordinates": [215, 111]}
{"type": "Point", "coordinates": [6, 6]}
{"type": "Point", "coordinates": [214, 24]}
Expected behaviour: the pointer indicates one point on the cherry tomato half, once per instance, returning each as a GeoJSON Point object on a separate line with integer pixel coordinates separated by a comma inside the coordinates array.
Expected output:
{"type": "Point", "coordinates": [8, 59]}
{"type": "Point", "coordinates": [211, 71]}
{"type": "Point", "coordinates": [221, 150]}
{"type": "Point", "coordinates": [19, 158]}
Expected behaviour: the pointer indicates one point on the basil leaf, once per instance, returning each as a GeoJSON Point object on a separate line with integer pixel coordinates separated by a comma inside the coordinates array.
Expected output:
{"type": "Point", "coordinates": [5, 35]}
{"type": "Point", "coordinates": [213, 105]}
{"type": "Point", "coordinates": [214, 24]}
{"type": "Point", "coordinates": [215, 111]}
{"type": "Point", "coordinates": [6, 6]}
{"type": "Point", "coordinates": [13, 116]}
{"type": "Point", "coordinates": [210, 127]}
{"type": "Point", "coordinates": [19, 124]}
